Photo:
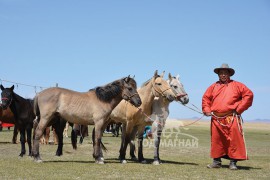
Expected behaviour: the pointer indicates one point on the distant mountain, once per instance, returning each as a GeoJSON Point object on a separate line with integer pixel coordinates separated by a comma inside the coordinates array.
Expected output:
{"type": "Point", "coordinates": [260, 120]}
{"type": "Point", "coordinates": [208, 118]}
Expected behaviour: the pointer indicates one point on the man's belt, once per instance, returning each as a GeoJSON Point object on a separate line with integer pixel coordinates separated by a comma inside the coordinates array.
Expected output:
{"type": "Point", "coordinates": [222, 114]}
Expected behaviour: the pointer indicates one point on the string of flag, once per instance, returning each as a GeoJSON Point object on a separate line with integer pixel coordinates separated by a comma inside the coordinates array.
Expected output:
{"type": "Point", "coordinates": [22, 84]}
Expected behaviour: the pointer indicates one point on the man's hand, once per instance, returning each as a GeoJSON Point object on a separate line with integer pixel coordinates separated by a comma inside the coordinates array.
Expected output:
{"type": "Point", "coordinates": [207, 113]}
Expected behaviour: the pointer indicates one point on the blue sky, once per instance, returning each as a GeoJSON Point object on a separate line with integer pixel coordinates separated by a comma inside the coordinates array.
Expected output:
{"type": "Point", "coordinates": [84, 44]}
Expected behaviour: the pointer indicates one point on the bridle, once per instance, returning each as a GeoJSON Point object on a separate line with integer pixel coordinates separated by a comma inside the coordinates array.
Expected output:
{"type": "Point", "coordinates": [5, 98]}
{"type": "Point", "coordinates": [129, 97]}
{"type": "Point", "coordinates": [160, 92]}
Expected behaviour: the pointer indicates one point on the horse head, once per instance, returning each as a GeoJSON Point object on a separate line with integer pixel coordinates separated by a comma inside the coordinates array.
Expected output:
{"type": "Point", "coordinates": [178, 89]}
{"type": "Point", "coordinates": [130, 93]}
{"type": "Point", "coordinates": [160, 87]}
{"type": "Point", "coordinates": [6, 96]}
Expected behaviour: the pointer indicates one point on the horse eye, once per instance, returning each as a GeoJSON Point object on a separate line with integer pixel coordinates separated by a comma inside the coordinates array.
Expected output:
{"type": "Point", "coordinates": [130, 89]}
{"type": "Point", "coordinates": [158, 84]}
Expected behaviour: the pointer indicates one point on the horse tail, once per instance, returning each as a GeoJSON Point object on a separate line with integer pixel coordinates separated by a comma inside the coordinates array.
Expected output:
{"type": "Point", "coordinates": [101, 143]}
{"type": "Point", "coordinates": [36, 112]}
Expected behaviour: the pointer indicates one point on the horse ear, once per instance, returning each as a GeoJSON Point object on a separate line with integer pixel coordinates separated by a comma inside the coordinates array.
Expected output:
{"type": "Point", "coordinates": [127, 79]}
{"type": "Point", "coordinates": [162, 74]}
{"type": "Point", "coordinates": [133, 77]}
{"type": "Point", "coordinates": [156, 74]}
{"type": "Point", "coordinates": [170, 76]}
{"type": "Point", "coordinates": [178, 77]}
{"type": "Point", "coordinates": [12, 87]}
{"type": "Point", "coordinates": [2, 87]}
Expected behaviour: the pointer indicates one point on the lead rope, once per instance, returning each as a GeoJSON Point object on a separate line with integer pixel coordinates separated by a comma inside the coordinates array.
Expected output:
{"type": "Point", "coordinates": [150, 119]}
{"type": "Point", "coordinates": [242, 132]}
{"type": "Point", "coordinates": [196, 110]}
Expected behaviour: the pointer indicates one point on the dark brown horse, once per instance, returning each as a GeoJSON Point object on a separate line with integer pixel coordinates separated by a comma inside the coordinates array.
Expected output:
{"type": "Point", "coordinates": [22, 110]}
{"type": "Point", "coordinates": [6, 116]}
{"type": "Point", "coordinates": [24, 115]}
{"type": "Point", "coordinates": [89, 108]}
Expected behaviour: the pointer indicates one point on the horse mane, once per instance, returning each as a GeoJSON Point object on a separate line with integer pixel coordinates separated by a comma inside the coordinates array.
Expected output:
{"type": "Point", "coordinates": [108, 92]}
{"type": "Point", "coordinates": [147, 82]}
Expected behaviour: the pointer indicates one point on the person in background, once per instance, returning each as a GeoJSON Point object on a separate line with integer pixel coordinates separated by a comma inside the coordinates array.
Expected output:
{"type": "Point", "coordinates": [225, 100]}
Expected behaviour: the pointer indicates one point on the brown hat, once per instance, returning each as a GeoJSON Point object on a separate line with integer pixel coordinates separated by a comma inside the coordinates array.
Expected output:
{"type": "Point", "coordinates": [225, 66]}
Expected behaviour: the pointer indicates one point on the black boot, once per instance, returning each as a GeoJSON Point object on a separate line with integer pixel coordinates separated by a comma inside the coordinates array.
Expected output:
{"type": "Point", "coordinates": [216, 163]}
{"type": "Point", "coordinates": [232, 165]}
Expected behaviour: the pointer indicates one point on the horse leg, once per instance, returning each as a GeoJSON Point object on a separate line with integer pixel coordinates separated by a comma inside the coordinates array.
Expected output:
{"type": "Point", "coordinates": [117, 126]}
{"type": "Point", "coordinates": [96, 143]}
{"type": "Point", "coordinates": [132, 144]}
{"type": "Point", "coordinates": [47, 135]}
{"type": "Point", "coordinates": [15, 134]}
{"type": "Point", "coordinates": [140, 146]}
{"type": "Point", "coordinates": [38, 133]}
{"type": "Point", "coordinates": [85, 132]}
{"type": "Point", "coordinates": [65, 134]}
{"type": "Point", "coordinates": [59, 128]}
{"type": "Point", "coordinates": [157, 136]}
{"type": "Point", "coordinates": [125, 141]}
{"type": "Point", "coordinates": [55, 137]}
{"type": "Point", "coordinates": [29, 136]}
{"type": "Point", "coordinates": [74, 136]}
{"type": "Point", "coordinates": [82, 132]}
{"type": "Point", "coordinates": [22, 140]}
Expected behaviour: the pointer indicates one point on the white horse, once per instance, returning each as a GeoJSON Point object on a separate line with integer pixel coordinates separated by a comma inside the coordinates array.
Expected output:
{"type": "Point", "coordinates": [160, 112]}
{"type": "Point", "coordinates": [133, 119]}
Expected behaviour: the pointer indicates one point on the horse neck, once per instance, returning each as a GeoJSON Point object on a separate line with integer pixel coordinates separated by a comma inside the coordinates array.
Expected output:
{"type": "Point", "coordinates": [18, 105]}
{"type": "Point", "coordinates": [161, 108]}
{"type": "Point", "coordinates": [146, 96]}
{"type": "Point", "coordinates": [115, 101]}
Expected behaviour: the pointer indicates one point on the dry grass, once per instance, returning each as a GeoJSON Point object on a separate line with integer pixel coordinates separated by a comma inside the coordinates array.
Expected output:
{"type": "Point", "coordinates": [182, 162]}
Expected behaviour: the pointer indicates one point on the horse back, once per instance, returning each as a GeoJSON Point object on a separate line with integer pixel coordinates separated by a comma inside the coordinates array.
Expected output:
{"type": "Point", "coordinates": [71, 105]}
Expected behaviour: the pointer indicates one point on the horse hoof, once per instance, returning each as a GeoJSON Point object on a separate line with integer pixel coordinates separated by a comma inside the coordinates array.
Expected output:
{"type": "Point", "coordinates": [99, 162]}
{"type": "Point", "coordinates": [134, 158]}
{"type": "Point", "coordinates": [156, 163]}
{"type": "Point", "coordinates": [143, 162]}
{"type": "Point", "coordinates": [123, 161]}
{"type": "Point", "coordinates": [102, 158]}
{"type": "Point", "coordinates": [21, 155]}
{"type": "Point", "coordinates": [38, 160]}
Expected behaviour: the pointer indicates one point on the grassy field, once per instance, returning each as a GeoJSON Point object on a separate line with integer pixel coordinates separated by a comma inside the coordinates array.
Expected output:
{"type": "Point", "coordinates": [184, 152]}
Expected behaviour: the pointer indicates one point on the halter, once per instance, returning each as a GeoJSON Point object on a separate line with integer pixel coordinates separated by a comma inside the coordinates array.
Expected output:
{"type": "Point", "coordinates": [5, 98]}
{"type": "Point", "coordinates": [160, 92]}
{"type": "Point", "coordinates": [129, 97]}
{"type": "Point", "coordinates": [182, 95]}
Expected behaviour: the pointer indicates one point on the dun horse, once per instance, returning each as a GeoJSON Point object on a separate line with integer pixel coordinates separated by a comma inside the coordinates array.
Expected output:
{"type": "Point", "coordinates": [22, 110]}
{"type": "Point", "coordinates": [133, 119]}
{"type": "Point", "coordinates": [160, 112]}
{"type": "Point", "coordinates": [88, 108]}
{"type": "Point", "coordinates": [6, 116]}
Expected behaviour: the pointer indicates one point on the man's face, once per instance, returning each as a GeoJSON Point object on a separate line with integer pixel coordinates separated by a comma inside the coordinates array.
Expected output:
{"type": "Point", "coordinates": [224, 75]}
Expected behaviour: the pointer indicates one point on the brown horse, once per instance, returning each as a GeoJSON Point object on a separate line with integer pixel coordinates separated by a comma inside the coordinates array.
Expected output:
{"type": "Point", "coordinates": [160, 112]}
{"type": "Point", "coordinates": [133, 119]}
{"type": "Point", "coordinates": [6, 116]}
{"type": "Point", "coordinates": [88, 108]}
